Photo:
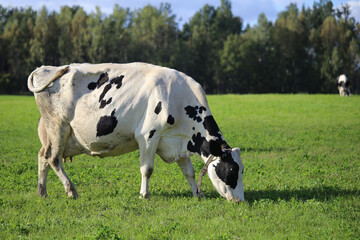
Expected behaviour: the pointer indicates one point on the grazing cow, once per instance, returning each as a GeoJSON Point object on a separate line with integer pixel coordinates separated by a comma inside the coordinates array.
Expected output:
{"type": "Point", "coordinates": [343, 85]}
{"type": "Point", "coordinates": [112, 109]}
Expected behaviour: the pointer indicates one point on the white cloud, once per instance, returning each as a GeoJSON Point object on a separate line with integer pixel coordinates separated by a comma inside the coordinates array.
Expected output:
{"type": "Point", "coordinates": [355, 9]}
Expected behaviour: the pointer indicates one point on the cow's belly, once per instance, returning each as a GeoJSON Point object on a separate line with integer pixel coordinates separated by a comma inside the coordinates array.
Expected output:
{"type": "Point", "coordinates": [102, 132]}
{"type": "Point", "coordinates": [114, 144]}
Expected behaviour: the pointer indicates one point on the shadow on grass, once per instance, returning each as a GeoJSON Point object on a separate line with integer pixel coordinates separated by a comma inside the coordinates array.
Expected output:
{"type": "Point", "coordinates": [318, 193]}
{"type": "Point", "coordinates": [270, 149]}
{"type": "Point", "coordinates": [172, 194]}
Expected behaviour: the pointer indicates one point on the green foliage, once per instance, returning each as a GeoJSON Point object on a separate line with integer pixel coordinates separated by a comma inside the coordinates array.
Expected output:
{"type": "Point", "coordinates": [154, 32]}
{"type": "Point", "coordinates": [302, 180]}
{"type": "Point", "coordinates": [304, 50]}
{"type": "Point", "coordinates": [248, 57]}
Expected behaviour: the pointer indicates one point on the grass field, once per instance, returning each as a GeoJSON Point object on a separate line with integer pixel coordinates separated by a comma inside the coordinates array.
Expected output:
{"type": "Point", "coordinates": [301, 179]}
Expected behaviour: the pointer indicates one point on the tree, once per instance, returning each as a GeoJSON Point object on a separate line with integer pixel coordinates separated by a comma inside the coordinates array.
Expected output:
{"type": "Point", "coordinates": [206, 33]}
{"type": "Point", "coordinates": [16, 39]}
{"type": "Point", "coordinates": [97, 51]}
{"type": "Point", "coordinates": [65, 43]}
{"type": "Point", "coordinates": [289, 36]}
{"type": "Point", "coordinates": [44, 41]}
{"type": "Point", "coordinates": [117, 35]}
{"type": "Point", "coordinates": [303, 51]}
{"type": "Point", "coordinates": [80, 36]}
{"type": "Point", "coordinates": [246, 60]}
{"type": "Point", "coordinates": [153, 32]}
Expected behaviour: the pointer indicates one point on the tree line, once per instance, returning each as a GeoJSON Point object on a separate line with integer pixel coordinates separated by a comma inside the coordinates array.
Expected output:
{"type": "Point", "coordinates": [304, 50]}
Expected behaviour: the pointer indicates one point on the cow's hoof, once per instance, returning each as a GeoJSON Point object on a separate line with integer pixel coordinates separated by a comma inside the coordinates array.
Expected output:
{"type": "Point", "coordinates": [44, 195]}
{"type": "Point", "coordinates": [72, 194]}
{"type": "Point", "coordinates": [144, 196]}
{"type": "Point", "coordinates": [70, 190]}
{"type": "Point", "coordinates": [42, 191]}
{"type": "Point", "coordinates": [200, 196]}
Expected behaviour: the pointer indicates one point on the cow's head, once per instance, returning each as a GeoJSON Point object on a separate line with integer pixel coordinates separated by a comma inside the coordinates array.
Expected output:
{"type": "Point", "coordinates": [225, 172]}
{"type": "Point", "coordinates": [343, 85]}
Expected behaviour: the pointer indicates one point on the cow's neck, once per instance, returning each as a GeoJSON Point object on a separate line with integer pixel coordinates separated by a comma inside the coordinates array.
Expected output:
{"type": "Point", "coordinates": [208, 140]}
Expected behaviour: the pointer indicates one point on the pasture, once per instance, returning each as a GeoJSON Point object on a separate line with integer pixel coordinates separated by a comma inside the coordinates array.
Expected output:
{"type": "Point", "coordinates": [302, 178]}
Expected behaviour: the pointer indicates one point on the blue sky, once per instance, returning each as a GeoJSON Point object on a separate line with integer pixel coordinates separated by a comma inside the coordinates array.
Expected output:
{"type": "Point", "coordinates": [248, 10]}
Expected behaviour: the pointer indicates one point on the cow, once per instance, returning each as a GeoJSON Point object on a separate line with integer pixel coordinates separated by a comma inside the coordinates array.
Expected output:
{"type": "Point", "coordinates": [111, 109]}
{"type": "Point", "coordinates": [343, 85]}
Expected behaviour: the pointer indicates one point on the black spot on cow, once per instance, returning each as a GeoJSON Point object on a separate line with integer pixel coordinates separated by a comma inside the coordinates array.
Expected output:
{"type": "Point", "coordinates": [200, 145]}
{"type": "Point", "coordinates": [211, 126]}
{"type": "Point", "coordinates": [158, 108]}
{"type": "Point", "coordinates": [104, 77]}
{"type": "Point", "coordinates": [196, 146]}
{"type": "Point", "coordinates": [106, 125]}
{"type": "Point", "coordinates": [215, 148]}
{"type": "Point", "coordinates": [193, 112]}
{"type": "Point", "coordinates": [211, 147]}
{"type": "Point", "coordinates": [103, 103]}
{"type": "Point", "coordinates": [201, 109]}
{"type": "Point", "coordinates": [106, 89]}
{"type": "Point", "coordinates": [194, 128]}
{"type": "Point", "coordinates": [228, 170]}
{"type": "Point", "coordinates": [117, 81]}
{"type": "Point", "coordinates": [170, 120]}
{"type": "Point", "coordinates": [92, 85]}
{"type": "Point", "coordinates": [151, 134]}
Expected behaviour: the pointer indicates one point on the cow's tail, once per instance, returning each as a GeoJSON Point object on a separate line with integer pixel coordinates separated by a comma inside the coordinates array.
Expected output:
{"type": "Point", "coordinates": [45, 84]}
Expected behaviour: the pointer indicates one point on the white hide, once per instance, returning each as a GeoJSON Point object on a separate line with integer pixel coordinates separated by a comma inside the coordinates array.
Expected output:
{"type": "Point", "coordinates": [77, 110]}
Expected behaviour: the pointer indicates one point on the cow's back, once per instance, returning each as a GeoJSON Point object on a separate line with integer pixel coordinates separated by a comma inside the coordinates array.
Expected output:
{"type": "Point", "coordinates": [109, 105]}
{"type": "Point", "coordinates": [111, 109]}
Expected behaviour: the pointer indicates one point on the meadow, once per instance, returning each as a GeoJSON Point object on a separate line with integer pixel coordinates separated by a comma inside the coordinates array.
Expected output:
{"type": "Point", "coordinates": [302, 178]}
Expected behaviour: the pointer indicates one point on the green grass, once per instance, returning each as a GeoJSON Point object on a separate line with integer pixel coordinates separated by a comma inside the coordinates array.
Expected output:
{"type": "Point", "coordinates": [302, 178]}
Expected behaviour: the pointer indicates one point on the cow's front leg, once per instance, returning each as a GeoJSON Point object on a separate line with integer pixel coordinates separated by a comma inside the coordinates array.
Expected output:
{"type": "Point", "coordinates": [146, 170]}
{"type": "Point", "coordinates": [187, 169]}
{"type": "Point", "coordinates": [147, 157]}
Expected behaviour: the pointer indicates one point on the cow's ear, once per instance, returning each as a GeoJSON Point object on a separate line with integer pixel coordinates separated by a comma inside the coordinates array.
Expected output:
{"type": "Point", "coordinates": [215, 148]}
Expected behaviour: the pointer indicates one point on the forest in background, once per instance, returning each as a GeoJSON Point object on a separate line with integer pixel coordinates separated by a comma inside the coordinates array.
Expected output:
{"type": "Point", "coordinates": [304, 50]}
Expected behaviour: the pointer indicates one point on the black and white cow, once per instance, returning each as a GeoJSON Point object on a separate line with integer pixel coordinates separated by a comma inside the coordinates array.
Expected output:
{"type": "Point", "coordinates": [343, 85]}
{"type": "Point", "coordinates": [112, 109]}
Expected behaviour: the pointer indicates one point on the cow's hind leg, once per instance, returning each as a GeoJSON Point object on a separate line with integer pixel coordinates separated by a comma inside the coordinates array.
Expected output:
{"type": "Point", "coordinates": [43, 169]}
{"type": "Point", "coordinates": [189, 172]}
{"type": "Point", "coordinates": [53, 154]}
{"type": "Point", "coordinates": [43, 165]}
